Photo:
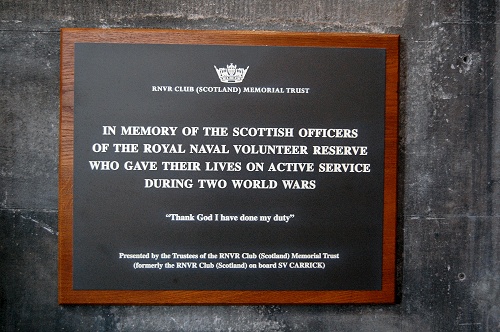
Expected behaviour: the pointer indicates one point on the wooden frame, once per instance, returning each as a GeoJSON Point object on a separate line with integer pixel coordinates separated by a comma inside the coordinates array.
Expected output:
{"type": "Point", "coordinates": [67, 295]}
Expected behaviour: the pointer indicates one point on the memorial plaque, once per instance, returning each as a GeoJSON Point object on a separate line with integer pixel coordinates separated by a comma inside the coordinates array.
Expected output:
{"type": "Point", "coordinates": [213, 167]}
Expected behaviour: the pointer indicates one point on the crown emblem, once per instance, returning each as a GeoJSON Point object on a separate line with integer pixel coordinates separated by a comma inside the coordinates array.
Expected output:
{"type": "Point", "coordinates": [231, 74]}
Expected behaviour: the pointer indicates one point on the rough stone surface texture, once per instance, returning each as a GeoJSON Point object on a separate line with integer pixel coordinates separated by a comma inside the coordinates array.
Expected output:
{"type": "Point", "coordinates": [449, 163]}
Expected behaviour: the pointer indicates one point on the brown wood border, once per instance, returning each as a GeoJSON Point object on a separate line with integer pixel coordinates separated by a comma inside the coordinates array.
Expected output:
{"type": "Point", "coordinates": [256, 38]}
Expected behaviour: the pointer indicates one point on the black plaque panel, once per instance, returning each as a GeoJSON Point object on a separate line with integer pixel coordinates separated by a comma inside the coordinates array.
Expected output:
{"type": "Point", "coordinates": [332, 239]}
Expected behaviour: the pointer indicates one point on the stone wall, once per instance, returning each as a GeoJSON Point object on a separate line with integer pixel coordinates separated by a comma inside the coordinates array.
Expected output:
{"type": "Point", "coordinates": [449, 224]}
